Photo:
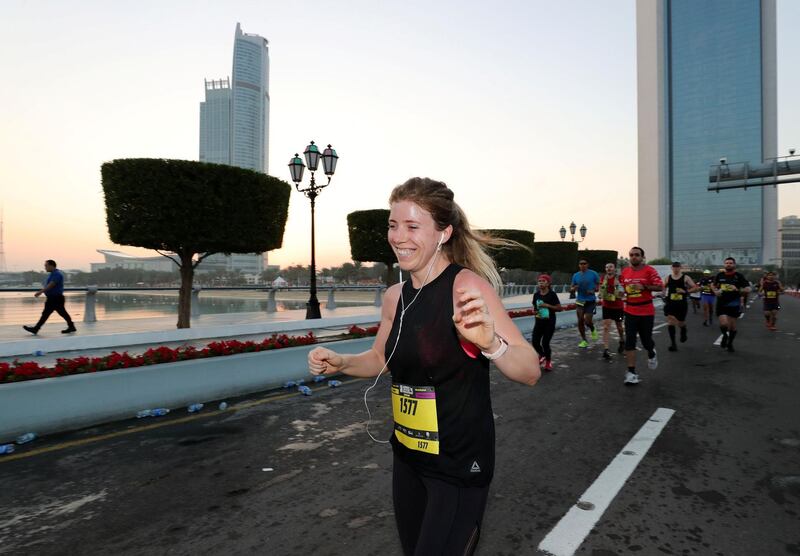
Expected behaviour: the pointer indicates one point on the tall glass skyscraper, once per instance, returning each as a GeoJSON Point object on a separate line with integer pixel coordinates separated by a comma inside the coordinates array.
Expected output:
{"type": "Point", "coordinates": [706, 90]}
{"type": "Point", "coordinates": [234, 127]}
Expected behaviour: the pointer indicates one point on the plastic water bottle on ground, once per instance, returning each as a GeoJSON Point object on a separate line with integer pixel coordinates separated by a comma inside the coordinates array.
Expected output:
{"type": "Point", "coordinates": [38, 353]}
{"type": "Point", "coordinates": [334, 383]}
{"type": "Point", "coordinates": [305, 390]}
{"type": "Point", "coordinates": [158, 412]}
{"type": "Point", "coordinates": [290, 384]}
{"type": "Point", "coordinates": [194, 408]}
{"type": "Point", "coordinates": [144, 413]}
{"type": "Point", "coordinates": [6, 449]}
{"type": "Point", "coordinates": [319, 378]}
{"type": "Point", "coordinates": [223, 406]}
{"type": "Point", "coordinates": [27, 437]}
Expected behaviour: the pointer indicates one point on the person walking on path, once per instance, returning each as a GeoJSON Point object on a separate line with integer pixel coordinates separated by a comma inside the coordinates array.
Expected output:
{"type": "Point", "coordinates": [639, 281]}
{"type": "Point", "coordinates": [611, 296]}
{"type": "Point", "coordinates": [545, 305]}
{"type": "Point", "coordinates": [707, 297]}
{"type": "Point", "coordinates": [53, 290]}
{"type": "Point", "coordinates": [584, 284]}
{"type": "Point", "coordinates": [771, 290]}
{"type": "Point", "coordinates": [678, 286]}
{"type": "Point", "coordinates": [730, 287]}
{"type": "Point", "coordinates": [438, 333]}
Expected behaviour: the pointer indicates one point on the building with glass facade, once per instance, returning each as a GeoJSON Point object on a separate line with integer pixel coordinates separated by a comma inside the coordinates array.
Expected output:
{"type": "Point", "coordinates": [706, 91]}
{"type": "Point", "coordinates": [234, 128]}
{"type": "Point", "coordinates": [789, 237]}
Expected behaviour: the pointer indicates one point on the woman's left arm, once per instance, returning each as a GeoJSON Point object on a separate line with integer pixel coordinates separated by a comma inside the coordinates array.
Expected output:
{"type": "Point", "coordinates": [481, 318]}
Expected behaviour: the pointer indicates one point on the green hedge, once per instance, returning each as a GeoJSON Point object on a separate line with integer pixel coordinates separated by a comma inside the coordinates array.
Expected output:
{"type": "Point", "coordinates": [509, 258]}
{"type": "Point", "coordinates": [553, 256]}
{"type": "Point", "coordinates": [597, 258]}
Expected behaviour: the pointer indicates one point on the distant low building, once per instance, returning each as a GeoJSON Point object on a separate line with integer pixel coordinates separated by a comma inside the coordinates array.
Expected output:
{"type": "Point", "coordinates": [789, 241]}
{"type": "Point", "coordinates": [118, 259]}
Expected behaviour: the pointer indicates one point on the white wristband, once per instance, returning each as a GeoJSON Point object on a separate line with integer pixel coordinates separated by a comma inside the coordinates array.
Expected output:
{"type": "Point", "coordinates": [499, 352]}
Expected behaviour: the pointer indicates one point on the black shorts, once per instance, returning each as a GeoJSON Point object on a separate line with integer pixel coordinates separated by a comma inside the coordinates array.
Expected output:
{"type": "Point", "coordinates": [641, 325]}
{"type": "Point", "coordinates": [588, 307]}
{"type": "Point", "coordinates": [728, 311]}
{"type": "Point", "coordinates": [613, 314]}
{"type": "Point", "coordinates": [772, 306]}
{"type": "Point", "coordinates": [677, 309]}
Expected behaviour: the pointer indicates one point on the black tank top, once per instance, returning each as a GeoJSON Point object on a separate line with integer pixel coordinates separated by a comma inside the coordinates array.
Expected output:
{"type": "Point", "coordinates": [429, 353]}
{"type": "Point", "coordinates": [672, 289]}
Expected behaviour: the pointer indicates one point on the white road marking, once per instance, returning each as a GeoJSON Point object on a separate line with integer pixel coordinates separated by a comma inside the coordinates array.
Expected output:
{"type": "Point", "coordinates": [568, 534]}
{"type": "Point", "coordinates": [662, 325]}
{"type": "Point", "coordinates": [718, 340]}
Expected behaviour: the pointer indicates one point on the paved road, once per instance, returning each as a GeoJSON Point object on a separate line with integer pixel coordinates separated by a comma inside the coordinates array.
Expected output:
{"type": "Point", "coordinates": [281, 474]}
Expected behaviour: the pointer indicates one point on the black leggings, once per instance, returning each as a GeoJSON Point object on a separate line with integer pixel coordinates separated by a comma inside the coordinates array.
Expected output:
{"type": "Point", "coordinates": [434, 517]}
{"type": "Point", "coordinates": [543, 331]}
{"type": "Point", "coordinates": [643, 326]}
{"type": "Point", "coordinates": [53, 303]}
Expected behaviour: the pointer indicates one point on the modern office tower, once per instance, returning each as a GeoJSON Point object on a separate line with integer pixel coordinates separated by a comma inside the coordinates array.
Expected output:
{"type": "Point", "coordinates": [706, 91]}
{"type": "Point", "coordinates": [234, 127]}
{"type": "Point", "coordinates": [789, 236]}
{"type": "Point", "coordinates": [215, 122]}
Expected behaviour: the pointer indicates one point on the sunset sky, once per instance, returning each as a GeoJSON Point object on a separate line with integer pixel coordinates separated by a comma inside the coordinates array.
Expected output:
{"type": "Point", "coordinates": [526, 109]}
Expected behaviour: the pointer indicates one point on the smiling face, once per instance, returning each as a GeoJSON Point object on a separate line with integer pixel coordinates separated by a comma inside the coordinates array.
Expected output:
{"type": "Point", "coordinates": [413, 236]}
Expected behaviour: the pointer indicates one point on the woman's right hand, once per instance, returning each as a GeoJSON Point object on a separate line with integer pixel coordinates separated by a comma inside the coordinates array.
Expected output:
{"type": "Point", "coordinates": [322, 361]}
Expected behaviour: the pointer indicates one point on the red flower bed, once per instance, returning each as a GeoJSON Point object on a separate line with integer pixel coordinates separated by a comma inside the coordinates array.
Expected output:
{"type": "Point", "coordinates": [31, 370]}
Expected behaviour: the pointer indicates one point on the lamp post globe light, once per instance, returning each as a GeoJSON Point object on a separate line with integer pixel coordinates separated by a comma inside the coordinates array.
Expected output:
{"type": "Point", "coordinates": [296, 168]}
{"type": "Point", "coordinates": [572, 227]}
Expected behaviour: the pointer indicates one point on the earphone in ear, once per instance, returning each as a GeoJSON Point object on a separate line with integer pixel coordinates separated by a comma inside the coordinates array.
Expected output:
{"type": "Point", "coordinates": [441, 240]}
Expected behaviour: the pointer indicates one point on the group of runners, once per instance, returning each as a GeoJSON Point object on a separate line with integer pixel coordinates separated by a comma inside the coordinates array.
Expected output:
{"type": "Point", "coordinates": [627, 302]}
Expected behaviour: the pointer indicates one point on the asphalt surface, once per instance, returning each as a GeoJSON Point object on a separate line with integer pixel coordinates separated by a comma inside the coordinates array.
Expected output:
{"type": "Point", "coordinates": [281, 474]}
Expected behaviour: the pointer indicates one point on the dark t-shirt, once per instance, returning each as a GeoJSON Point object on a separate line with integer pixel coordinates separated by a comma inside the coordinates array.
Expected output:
{"type": "Point", "coordinates": [545, 313]}
{"type": "Point", "coordinates": [724, 281]}
{"type": "Point", "coordinates": [56, 277]}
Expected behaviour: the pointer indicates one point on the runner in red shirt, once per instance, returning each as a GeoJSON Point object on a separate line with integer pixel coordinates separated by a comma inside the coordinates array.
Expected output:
{"type": "Point", "coordinates": [639, 281]}
{"type": "Point", "coordinates": [611, 296]}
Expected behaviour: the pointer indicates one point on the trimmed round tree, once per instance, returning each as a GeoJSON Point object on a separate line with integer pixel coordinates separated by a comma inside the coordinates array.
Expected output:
{"type": "Point", "coordinates": [188, 210]}
{"type": "Point", "coordinates": [552, 256]}
{"type": "Point", "coordinates": [368, 239]}
{"type": "Point", "coordinates": [513, 257]}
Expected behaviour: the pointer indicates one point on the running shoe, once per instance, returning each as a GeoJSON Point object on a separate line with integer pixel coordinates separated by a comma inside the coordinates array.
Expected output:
{"type": "Point", "coordinates": [594, 334]}
{"type": "Point", "coordinates": [606, 355]}
{"type": "Point", "coordinates": [583, 344]}
{"type": "Point", "coordinates": [652, 362]}
{"type": "Point", "coordinates": [631, 379]}
{"type": "Point", "coordinates": [673, 348]}
{"type": "Point", "coordinates": [705, 323]}
{"type": "Point", "coordinates": [548, 366]}
{"type": "Point", "coordinates": [730, 348]}
{"type": "Point", "coordinates": [542, 359]}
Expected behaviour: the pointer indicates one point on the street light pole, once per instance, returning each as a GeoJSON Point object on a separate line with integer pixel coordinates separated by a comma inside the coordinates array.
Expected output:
{"type": "Point", "coordinates": [572, 227]}
{"type": "Point", "coordinates": [296, 167]}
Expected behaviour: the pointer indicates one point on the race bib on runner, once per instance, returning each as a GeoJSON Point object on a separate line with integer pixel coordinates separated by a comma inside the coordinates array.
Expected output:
{"type": "Point", "coordinates": [727, 287]}
{"type": "Point", "coordinates": [416, 425]}
{"type": "Point", "coordinates": [632, 292]}
{"type": "Point", "coordinates": [676, 296]}
{"type": "Point", "coordinates": [610, 297]}
{"type": "Point", "coordinates": [772, 294]}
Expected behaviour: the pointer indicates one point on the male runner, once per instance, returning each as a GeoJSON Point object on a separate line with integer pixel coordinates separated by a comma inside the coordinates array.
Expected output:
{"type": "Point", "coordinates": [611, 296]}
{"type": "Point", "coordinates": [707, 297]}
{"type": "Point", "coordinates": [729, 286]}
{"type": "Point", "coordinates": [639, 281]}
{"type": "Point", "coordinates": [678, 285]}
{"type": "Point", "coordinates": [771, 289]}
{"type": "Point", "coordinates": [584, 283]}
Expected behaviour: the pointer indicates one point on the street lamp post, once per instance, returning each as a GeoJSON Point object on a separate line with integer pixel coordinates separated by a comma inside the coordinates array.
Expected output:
{"type": "Point", "coordinates": [296, 167]}
{"type": "Point", "coordinates": [563, 232]}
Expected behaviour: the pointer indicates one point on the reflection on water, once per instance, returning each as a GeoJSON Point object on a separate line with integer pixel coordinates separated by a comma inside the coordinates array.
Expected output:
{"type": "Point", "coordinates": [21, 308]}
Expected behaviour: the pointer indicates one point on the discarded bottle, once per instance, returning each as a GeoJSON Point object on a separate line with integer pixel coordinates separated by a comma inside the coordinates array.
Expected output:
{"type": "Point", "coordinates": [223, 406]}
{"type": "Point", "coordinates": [195, 407]}
{"type": "Point", "coordinates": [27, 437]}
{"type": "Point", "coordinates": [6, 448]}
{"type": "Point", "coordinates": [319, 378]}
{"type": "Point", "coordinates": [290, 384]}
{"type": "Point", "coordinates": [144, 413]}
{"type": "Point", "coordinates": [158, 412]}
{"type": "Point", "coordinates": [305, 390]}
{"type": "Point", "coordinates": [38, 353]}
{"type": "Point", "coordinates": [334, 383]}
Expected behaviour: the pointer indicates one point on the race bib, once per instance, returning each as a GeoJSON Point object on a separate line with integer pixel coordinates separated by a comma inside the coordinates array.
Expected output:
{"type": "Point", "coordinates": [580, 303]}
{"type": "Point", "coordinates": [706, 289]}
{"type": "Point", "coordinates": [727, 288]}
{"type": "Point", "coordinates": [631, 291]}
{"type": "Point", "coordinates": [415, 423]}
{"type": "Point", "coordinates": [610, 297]}
{"type": "Point", "coordinates": [676, 296]}
{"type": "Point", "coordinates": [772, 294]}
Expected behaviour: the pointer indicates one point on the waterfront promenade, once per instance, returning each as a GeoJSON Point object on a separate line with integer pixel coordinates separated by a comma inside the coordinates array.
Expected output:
{"type": "Point", "coordinates": [283, 474]}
